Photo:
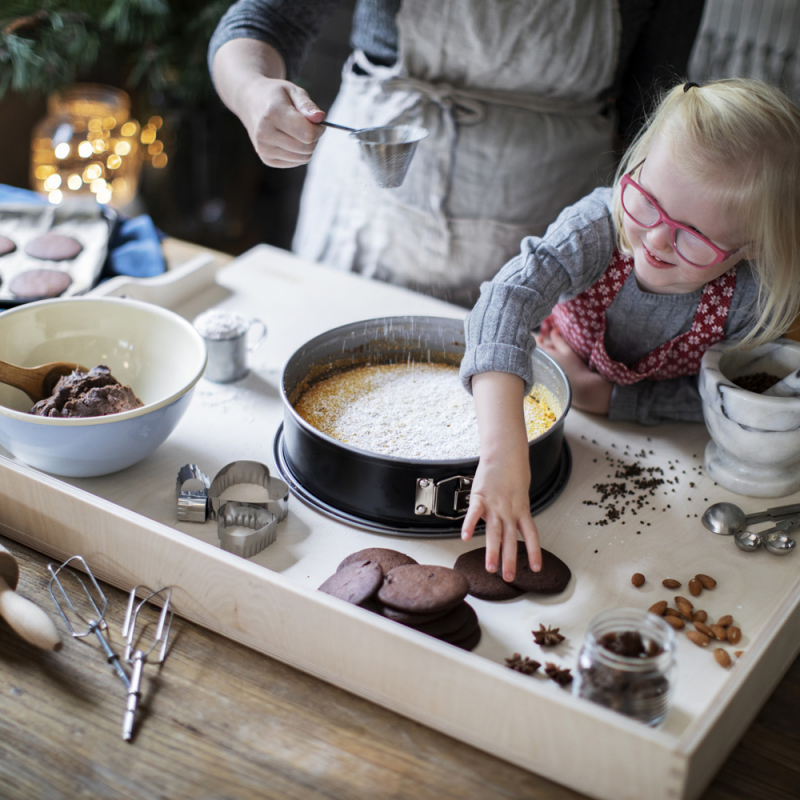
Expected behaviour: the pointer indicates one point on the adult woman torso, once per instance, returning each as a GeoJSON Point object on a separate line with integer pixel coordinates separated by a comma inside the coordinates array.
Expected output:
{"type": "Point", "coordinates": [514, 96]}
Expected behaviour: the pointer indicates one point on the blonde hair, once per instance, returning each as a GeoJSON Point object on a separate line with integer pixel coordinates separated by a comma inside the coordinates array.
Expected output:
{"type": "Point", "coordinates": [744, 136]}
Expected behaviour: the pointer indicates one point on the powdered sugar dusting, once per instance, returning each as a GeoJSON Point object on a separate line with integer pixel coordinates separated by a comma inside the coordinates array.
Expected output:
{"type": "Point", "coordinates": [418, 411]}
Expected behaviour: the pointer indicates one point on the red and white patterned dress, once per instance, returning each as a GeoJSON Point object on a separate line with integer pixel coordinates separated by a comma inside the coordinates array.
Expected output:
{"type": "Point", "coordinates": [582, 322]}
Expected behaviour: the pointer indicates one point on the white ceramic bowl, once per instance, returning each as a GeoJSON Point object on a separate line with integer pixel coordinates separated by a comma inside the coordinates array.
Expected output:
{"type": "Point", "coordinates": [155, 351]}
{"type": "Point", "coordinates": [755, 439]}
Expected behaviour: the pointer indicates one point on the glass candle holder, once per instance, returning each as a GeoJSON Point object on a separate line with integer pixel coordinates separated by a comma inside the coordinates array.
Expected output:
{"type": "Point", "coordinates": [627, 663]}
{"type": "Point", "coordinates": [87, 145]}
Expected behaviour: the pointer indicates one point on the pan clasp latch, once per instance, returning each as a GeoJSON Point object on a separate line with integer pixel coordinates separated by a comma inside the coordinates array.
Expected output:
{"type": "Point", "coordinates": [429, 494]}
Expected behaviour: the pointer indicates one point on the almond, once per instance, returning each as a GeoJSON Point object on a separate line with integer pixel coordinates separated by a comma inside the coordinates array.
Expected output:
{"type": "Point", "coordinates": [685, 607]}
{"type": "Point", "coordinates": [725, 621]}
{"type": "Point", "coordinates": [658, 608]}
{"type": "Point", "coordinates": [734, 634]}
{"type": "Point", "coordinates": [722, 657]}
{"type": "Point", "coordinates": [700, 616]}
{"type": "Point", "coordinates": [671, 612]}
{"type": "Point", "coordinates": [695, 587]}
{"type": "Point", "coordinates": [703, 628]}
{"type": "Point", "coordinates": [738, 653]}
{"type": "Point", "coordinates": [671, 583]}
{"type": "Point", "coordinates": [719, 632]}
{"type": "Point", "coordinates": [706, 581]}
{"type": "Point", "coordinates": [676, 622]}
{"type": "Point", "coordinates": [700, 639]}
{"type": "Point", "coordinates": [637, 579]}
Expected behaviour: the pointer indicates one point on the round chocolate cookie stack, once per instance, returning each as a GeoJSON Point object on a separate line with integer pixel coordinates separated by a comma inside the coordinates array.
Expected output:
{"type": "Point", "coordinates": [427, 598]}
{"type": "Point", "coordinates": [553, 577]}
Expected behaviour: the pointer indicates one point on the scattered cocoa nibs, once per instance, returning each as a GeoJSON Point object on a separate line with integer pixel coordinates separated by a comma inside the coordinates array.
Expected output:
{"type": "Point", "coordinates": [525, 665]}
{"type": "Point", "coordinates": [547, 637]}
{"type": "Point", "coordinates": [563, 677]}
{"type": "Point", "coordinates": [629, 644]}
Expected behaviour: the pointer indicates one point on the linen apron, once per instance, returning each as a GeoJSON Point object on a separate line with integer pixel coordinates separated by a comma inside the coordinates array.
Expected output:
{"type": "Point", "coordinates": [512, 96]}
{"type": "Point", "coordinates": [582, 323]}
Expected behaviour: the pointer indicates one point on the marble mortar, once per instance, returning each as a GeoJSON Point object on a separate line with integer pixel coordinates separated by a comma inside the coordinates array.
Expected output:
{"type": "Point", "coordinates": [755, 439]}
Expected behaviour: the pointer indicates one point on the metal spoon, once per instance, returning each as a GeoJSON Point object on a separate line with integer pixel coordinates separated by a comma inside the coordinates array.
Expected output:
{"type": "Point", "coordinates": [387, 150]}
{"type": "Point", "coordinates": [727, 518]}
{"type": "Point", "coordinates": [747, 541]}
{"type": "Point", "coordinates": [36, 382]}
{"type": "Point", "coordinates": [776, 539]}
{"type": "Point", "coordinates": [779, 544]}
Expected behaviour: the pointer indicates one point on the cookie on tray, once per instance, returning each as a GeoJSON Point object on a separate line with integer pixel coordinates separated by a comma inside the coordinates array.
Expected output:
{"type": "Point", "coordinates": [53, 247]}
{"type": "Point", "coordinates": [356, 583]}
{"type": "Point", "coordinates": [553, 578]}
{"type": "Point", "coordinates": [482, 584]}
{"type": "Point", "coordinates": [423, 588]}
{"type": "Point", "coordinates": [37, 284]}
{"type": "Point", "coordinates": [6, 246]}
{"type": "Point", "coordinates": [388, 559]}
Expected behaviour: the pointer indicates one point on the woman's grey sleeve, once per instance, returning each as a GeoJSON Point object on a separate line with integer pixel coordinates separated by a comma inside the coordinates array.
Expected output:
{"type": "Point", "coordinates": [290, 26]}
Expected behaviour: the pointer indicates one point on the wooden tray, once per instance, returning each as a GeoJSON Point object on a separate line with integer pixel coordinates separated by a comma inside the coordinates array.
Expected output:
{"type": "Point", "coordinates": [125, 526]}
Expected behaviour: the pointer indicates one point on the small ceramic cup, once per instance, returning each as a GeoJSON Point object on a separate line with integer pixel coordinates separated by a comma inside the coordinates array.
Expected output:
{"type": "Point", "coordinates": [229, 339]}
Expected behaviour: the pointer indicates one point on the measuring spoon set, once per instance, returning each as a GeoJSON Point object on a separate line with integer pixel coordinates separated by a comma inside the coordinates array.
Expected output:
{"type": "Point", "coordinates": [727, 519]}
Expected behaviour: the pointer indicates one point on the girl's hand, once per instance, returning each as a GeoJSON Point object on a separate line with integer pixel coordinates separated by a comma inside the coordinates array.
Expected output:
{"type": "Point", "coordinates": [591, 391]}
{"type": "Point", "coordinates": [499, 492]}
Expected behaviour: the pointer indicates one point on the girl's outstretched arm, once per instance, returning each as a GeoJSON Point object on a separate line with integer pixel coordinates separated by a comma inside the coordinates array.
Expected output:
{"type": "Point", "coordinates": [499, 493]}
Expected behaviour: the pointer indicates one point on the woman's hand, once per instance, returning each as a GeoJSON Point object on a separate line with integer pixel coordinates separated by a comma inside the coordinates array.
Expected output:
{"type": "Point", "coordinates": [591, 391]}
{"type": "Point", "coordinates": [280, 117]}
{"type": "Point", "coordinates": [499, 492]}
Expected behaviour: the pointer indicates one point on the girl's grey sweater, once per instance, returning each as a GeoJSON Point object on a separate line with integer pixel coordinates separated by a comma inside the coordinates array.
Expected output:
{"type": "Point", "coordinates": [567, 260]}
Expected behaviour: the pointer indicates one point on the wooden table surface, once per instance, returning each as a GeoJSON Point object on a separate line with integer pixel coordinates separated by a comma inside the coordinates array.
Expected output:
{"type": "Point", "coordinates": [218, 720]}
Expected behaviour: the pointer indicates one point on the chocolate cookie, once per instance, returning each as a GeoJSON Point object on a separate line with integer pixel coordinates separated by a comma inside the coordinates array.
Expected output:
{"type": "Point", "coordinates": [35, 284]}
{"type": "Point", "coordinates": [388, 559]}
{"type": "Point", "coordinates": [482, 584]}
{"type": "Point", "coordinates": [447, 623]}
{"type": "Point", "coordinates": [6, 246]}
{"type": "Point", "coordinates": [464, 631]}
{"type": "Point", "coordinates": [551, 579]}
{"type": "Point", "coordinates": [356, 583]}
{"type": "Point", "coordinates": [453, 624]}
{"type": "Point", "coordinates": [469, 642]}
{"type": "Point", "coordinates": [53, 247]}
{"type": "Point", "coordinates": [408, 617]}
{"type": "Point", "coordinates": [422, 588]}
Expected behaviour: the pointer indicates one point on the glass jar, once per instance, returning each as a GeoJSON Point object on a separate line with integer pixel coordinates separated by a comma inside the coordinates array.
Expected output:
{"type": "Point", "coordinates": [88, 144]}
{"type": "Point", "coordinates": [627, 663]}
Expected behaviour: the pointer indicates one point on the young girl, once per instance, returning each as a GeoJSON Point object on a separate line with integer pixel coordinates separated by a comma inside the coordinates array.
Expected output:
{"type": "Point", "coordinates": [698, 241]}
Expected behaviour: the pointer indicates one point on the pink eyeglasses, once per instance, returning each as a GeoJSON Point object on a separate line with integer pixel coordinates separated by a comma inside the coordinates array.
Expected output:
{"type": "Point", "coordinates": [691, 246]}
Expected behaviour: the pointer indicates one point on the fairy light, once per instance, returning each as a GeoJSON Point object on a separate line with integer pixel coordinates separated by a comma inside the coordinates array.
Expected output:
{"type": "Point", "coordinates": [88, 145]}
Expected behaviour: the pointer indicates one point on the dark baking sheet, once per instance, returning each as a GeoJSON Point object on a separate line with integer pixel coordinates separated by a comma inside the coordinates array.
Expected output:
{"type": "Point", "coordinates": [86, 221]}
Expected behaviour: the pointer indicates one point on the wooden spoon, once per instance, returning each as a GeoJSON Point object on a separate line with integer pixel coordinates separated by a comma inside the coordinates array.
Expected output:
{"type": "Point", "coordinates": [36, 382]}
{"type": "Point", "coordinates": [25, 618]}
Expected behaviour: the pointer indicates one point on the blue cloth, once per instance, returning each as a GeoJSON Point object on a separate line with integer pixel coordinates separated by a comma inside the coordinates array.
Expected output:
{"type": "Point", "coordinates": [134, 248]}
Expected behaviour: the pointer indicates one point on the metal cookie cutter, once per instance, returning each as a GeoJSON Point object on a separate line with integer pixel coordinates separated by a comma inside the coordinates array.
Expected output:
{"type": "Point", "coordinates": [263, 526]}
{"type": "Point", "coordinates": [191, 491]}
{"type": "Point", "coordinates": [254, 473]}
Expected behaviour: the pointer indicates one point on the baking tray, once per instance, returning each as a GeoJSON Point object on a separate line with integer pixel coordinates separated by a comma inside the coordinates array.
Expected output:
{"type": "Point", "coordinates": [86, 221]}
{"type": "Point", "coordinates": [125, 526]}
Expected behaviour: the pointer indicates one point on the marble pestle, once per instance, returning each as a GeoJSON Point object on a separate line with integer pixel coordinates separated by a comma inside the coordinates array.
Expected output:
{"type": "Point", "coordinates": [786, 387]}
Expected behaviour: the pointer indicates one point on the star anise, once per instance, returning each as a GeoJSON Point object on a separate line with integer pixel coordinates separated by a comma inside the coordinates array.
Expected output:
{"type": "Point", "coordinates": [527, 666]}
{"type": "Point", "coordinates": [547, 637]}
{"type": "Point", "coordinates": [562, 677]}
